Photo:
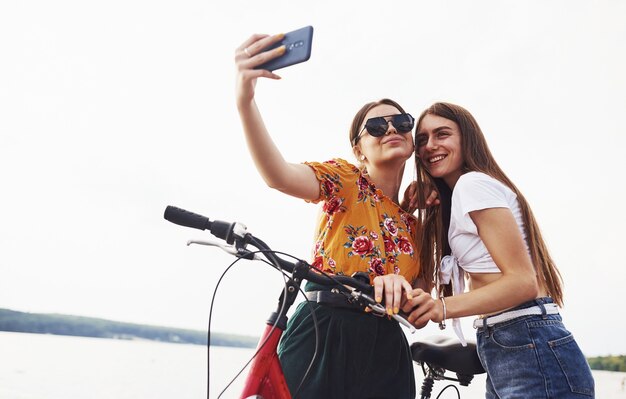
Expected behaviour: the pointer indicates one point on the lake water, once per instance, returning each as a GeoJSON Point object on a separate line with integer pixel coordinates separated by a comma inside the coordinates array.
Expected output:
{"type": "Point", "coordinates": [36, 366]}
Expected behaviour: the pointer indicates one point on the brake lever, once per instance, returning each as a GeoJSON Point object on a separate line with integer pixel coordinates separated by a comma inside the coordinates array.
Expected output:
{"type": "Point", "coordinates": [231, 249]}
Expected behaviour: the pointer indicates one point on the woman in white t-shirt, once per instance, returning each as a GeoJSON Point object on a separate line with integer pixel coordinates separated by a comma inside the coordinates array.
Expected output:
{"type": "Point", "coordinates": [493, 240]}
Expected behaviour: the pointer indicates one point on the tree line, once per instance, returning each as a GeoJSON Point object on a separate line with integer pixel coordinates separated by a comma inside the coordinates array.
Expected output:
{"type": "Point", "coordinates": [609, 363]}
{"type": "Point", "coordinates": [59, 324]}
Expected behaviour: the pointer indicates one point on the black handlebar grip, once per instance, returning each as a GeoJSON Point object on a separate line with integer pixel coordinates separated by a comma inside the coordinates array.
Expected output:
{"type": "Point", "coordinates": [185, 218]}
{"type": "Point", "coordinates": [223, 230]}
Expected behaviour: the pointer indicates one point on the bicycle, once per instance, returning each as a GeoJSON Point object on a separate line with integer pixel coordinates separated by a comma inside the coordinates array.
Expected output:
{"type": "Point", "coordinates": [265, 378]}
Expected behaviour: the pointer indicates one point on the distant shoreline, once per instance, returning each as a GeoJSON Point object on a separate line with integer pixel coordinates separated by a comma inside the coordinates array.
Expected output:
{"type": "Point", "coordinates": [59, 324]}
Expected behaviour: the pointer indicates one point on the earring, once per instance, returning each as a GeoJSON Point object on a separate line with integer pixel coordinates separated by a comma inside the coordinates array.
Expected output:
{"type": "Point", "coordinates": [362, 157]}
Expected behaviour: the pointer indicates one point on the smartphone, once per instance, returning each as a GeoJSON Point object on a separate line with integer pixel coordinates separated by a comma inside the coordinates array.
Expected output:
{"type": "Point", "coordinates": [298, 49]}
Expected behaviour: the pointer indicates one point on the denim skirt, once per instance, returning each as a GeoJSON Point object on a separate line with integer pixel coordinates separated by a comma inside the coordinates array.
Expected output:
{"type": "Point", "coordinates": [533, 357]}
{"type": "Point", "coordinates": [360, 355]}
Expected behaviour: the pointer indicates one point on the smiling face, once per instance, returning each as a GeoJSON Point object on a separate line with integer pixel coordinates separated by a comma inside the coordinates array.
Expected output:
{"type": "Point", "coordinates": [438, 145]}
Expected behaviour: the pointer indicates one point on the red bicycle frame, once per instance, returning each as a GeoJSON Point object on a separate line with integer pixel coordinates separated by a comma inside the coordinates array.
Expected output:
{"type": "Point", "coordinates": [265, 377]}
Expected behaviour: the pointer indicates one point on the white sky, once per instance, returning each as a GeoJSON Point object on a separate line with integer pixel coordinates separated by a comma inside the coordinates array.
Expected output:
{"type": "Point", "coordinates": [109, 111]}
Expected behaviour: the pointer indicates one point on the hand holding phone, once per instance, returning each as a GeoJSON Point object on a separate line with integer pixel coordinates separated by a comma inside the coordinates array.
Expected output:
{"type": "Point", "coordinates": [297, 44]}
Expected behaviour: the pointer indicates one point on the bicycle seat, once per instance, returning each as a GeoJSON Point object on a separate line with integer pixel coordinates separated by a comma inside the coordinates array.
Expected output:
{"type": "Point", "coordinates": [449, 354]}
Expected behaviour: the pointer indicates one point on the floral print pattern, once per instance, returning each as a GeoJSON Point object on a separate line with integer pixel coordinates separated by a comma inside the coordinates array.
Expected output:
{"type": "Point", "coordinates": [361, 229]}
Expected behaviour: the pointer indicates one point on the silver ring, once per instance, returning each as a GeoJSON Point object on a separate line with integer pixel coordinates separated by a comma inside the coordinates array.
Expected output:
{"type": "Point", "coordinates": [245, 50]}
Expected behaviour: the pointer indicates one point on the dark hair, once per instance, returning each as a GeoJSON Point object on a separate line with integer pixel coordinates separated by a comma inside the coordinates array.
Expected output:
{"type": "Point", "coordinates": [434, 221]}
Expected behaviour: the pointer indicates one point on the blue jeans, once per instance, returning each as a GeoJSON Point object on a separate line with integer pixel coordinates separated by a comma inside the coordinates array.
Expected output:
{"type": "Point", "coordinates": [533, 357]}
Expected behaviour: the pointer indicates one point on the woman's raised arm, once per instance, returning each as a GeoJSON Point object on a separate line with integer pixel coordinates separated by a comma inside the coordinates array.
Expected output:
{"type": "Point", "coordinates": [294, 179]}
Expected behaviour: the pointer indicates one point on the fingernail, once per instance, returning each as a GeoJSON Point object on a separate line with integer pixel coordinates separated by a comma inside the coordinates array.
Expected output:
{"type": "Point", "coordinates": [396, 310]}
{"type": "Point", "coordinates": [281, 50]}
{"type": "Point", "coordinates": [409, 296]}
{"type": "Point", "coordinates": [378, 299]}
{"type": "Point", "coordinates": [368, 309]}
{"type": "Point", "coordinates": [279, 35]}
{"type": "Point", "coordinates": [389, 312]}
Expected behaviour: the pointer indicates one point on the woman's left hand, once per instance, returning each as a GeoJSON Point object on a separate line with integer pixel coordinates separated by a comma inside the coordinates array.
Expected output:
{"type": "Point", "coordinates": [392, 285]}
{"type": "Point", "coordinates": [410, 201]}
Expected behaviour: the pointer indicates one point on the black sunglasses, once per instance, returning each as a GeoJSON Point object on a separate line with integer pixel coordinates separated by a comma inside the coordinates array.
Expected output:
{"type": "Point", "coordinates": [377, 127]}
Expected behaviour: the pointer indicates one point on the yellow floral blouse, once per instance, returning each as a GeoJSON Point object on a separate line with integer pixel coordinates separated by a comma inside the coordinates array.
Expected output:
{"type": "Point", "coordinates": [361, 229]}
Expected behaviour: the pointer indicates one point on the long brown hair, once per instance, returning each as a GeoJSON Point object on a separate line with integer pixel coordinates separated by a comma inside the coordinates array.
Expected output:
{"type": "Point", "coordinates": [434, 221]}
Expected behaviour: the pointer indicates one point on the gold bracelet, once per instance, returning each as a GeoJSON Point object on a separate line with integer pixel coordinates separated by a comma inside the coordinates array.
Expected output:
{"type": "Point", "coordinates": [442, 323]}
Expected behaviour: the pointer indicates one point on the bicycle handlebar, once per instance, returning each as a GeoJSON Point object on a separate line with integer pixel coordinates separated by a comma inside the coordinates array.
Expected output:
{"type": "Point", "coordinates": [224, 230]}
{"type": "Point", "coordinates": [236, 234]}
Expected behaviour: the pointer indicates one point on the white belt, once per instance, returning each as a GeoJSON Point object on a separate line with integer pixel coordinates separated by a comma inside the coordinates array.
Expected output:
{"type": "Point", "coordinates": [551, 308]}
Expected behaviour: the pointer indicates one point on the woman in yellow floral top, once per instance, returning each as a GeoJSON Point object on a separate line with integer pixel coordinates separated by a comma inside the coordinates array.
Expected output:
{"type": "Point", "coordinates": [362, 228]}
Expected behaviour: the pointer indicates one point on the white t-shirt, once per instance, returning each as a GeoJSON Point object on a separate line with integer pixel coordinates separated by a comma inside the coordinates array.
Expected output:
{"type": "Point", "coordinates": [475, 191]}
